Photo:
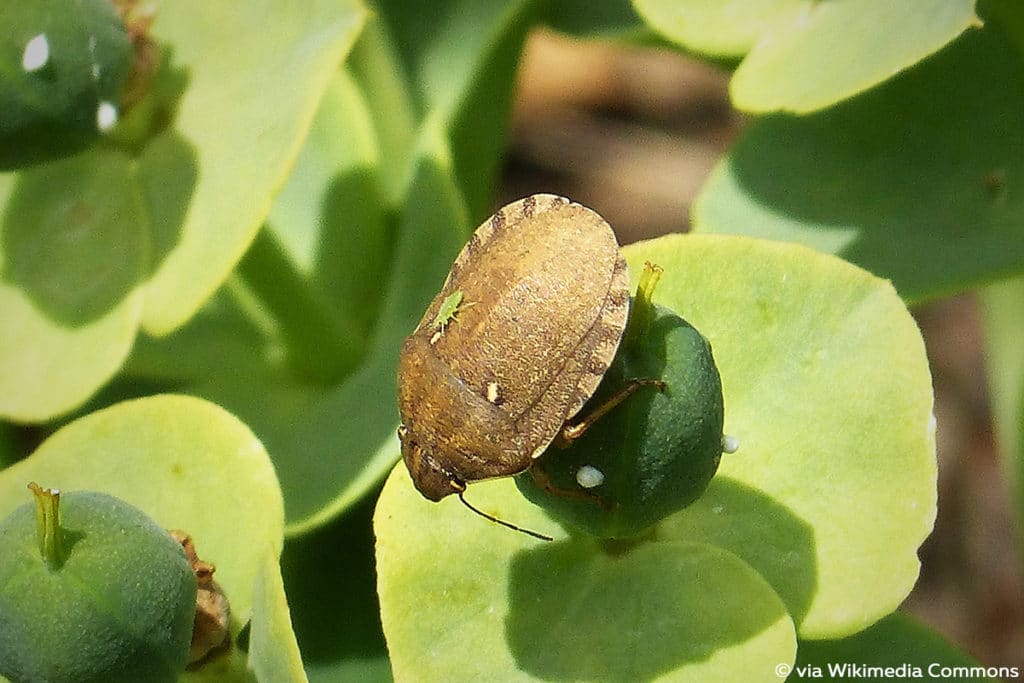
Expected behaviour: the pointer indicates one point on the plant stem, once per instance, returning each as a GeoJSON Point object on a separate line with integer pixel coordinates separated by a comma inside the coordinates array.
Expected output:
{"type": "Point", "coordinates": [643, 308]}
{"type": "Point", "coordinates": [48, 531]}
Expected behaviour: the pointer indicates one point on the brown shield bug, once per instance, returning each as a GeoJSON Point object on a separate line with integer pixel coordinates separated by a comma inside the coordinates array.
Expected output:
{"type": "Point", "coordinates": [516, 341]}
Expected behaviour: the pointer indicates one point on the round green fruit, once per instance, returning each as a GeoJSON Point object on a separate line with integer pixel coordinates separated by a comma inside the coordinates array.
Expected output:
{"type": "Point", "coordinates": [651, 455]}
{"type": "Point", "coordinates": [64, 63]}
{"type": "Point", "coordinates": [92, 590]}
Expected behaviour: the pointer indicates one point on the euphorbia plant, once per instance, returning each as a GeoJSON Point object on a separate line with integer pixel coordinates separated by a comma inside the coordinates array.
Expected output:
{"type": "Point", "coordinates": [268, 223]}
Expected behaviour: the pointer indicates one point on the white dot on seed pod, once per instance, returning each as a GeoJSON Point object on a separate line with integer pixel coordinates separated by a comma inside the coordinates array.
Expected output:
{"type": "Point", "coordinates": [730, 444]}
{"type": "Point", "coordinates": [36, 54]}
{"type": "Point", "coordinates": [588, 477]}
{"type": "Point", "coordinates": [106, 116]}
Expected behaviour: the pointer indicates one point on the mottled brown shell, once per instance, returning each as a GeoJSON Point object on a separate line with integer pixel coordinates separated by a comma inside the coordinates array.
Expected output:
{"type": "Point", "coordinates": [545, 297]}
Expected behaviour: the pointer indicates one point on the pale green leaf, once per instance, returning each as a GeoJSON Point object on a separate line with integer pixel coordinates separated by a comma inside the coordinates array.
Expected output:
{"type": "Point", "coordinates": [256, 74]}
{"type": "Point", "coordinates": [805, 55]}
{"type": "Point", "coordinates": [828, 391]}
{"type": "Point", "coordinates": [465, 599]}
{"type": "Point", "coordinates": [273, 652]}
{"type": "Point", "coordinates": [331, 221]}
{"type": "Point", "coordinates": [833, 50]}
{"type": "Point", "coordinates": [916, 181]}
{"type": "Point", "coordinates": [71, 256]}
{"type": "Point", "coordinates": [719, 28]}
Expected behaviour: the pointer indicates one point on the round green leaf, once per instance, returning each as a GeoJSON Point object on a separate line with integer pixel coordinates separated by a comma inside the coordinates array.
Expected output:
{"type": "Point", "coordinates": [828, 391]}
{"type": "Point", "coordinates": [465, 599]}
{"type": "Point", "coordinates": [806, 55]}
{"type": "Point", "coordinates": [71, 256]}
{"type": "Point", "coordinates": [256, 74]}
{"type": "Point", "coordinates": [185, 462]}
{"type": "Point", "coordinates": [720, 28]}
{"type": "Point", "coordinates": [833, 50]}
{"type": "Point", "coordinates": [832, 491]}
{"type": "Point", "coordinates": [914, 181]}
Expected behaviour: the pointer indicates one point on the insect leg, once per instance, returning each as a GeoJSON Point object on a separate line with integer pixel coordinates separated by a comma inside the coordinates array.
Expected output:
{"type": "Point", "coordinates": [571, 432]}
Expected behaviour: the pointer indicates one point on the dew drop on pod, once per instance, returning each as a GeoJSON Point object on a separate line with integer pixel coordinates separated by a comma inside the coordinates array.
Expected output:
{"type": "Point", "coordinates": [654, 453]}
{"type": "Point", "coordinates": [91, 590]}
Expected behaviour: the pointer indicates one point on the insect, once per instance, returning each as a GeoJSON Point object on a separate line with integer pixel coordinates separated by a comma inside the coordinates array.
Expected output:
{"type": "Point", "coordinates": [542, 295]}
{"type": "Point", "coordinates": [446, 314]}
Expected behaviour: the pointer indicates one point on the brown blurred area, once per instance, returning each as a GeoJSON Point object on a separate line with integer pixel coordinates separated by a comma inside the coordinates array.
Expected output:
{"type": "Point", "coordinates": [633, 133]}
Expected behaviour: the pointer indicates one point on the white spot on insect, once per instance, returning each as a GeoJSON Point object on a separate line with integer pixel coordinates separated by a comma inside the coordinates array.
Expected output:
{"type": "Point", "coordinates": [730, 444]}
{"type": "Point", "coordinates": [36, 54]}
{"type": "Point", "coordinates": [932, 425]}
{"type": "Point", "coordinates": [492, 392]}
{"type": "Point", "coordinates": [588, 477]}
{"type": "Point", "coordinates": [106, 116]}
{"type": "Point", "coordinates": [434, 337]}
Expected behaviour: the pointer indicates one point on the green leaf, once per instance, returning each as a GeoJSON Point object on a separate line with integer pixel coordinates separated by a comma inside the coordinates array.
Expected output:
{"type": "Point", "coordinates": [177, 216]}
{"type": "Point", "coordinates": [830, 495]}
{"type": "Point", "coordinates": [257, 73]}
{"type": "Point", "coordinates": [804, 55]}
{"type": "Point", "coordinates": [273, 651]}
{"type": "Point", "coordinates": [71, 260]}
{"type": "Point", "coordinates": [896, 641]}
{"type": "Point", "coordinates": [828, 391]}
{"type": "Point", "coordinates": [344, 442]}
{"type": "Point", "coordinates": [1003, 318]}
{"type": "Point", "coordinates": [717, 28]}
{"type": "Point", "coordinates": [611, 19]}
{"type": "Point", "coordinates": [189, 465]}
{"type": "Point", "coordinates": [331, 584]}
{"type": "Point", "coordinates": [377, 67]}
{"type": "Point", "coordinates": [320, 266]}
{"type": "Point", "coordinates": [569, 610]}
{"type": "Point", "coordinates": [461, 60]}
{"type": "Point", "coordinates": [913, 181]}
{"type": "Point", "coordinates": [330, 216]}
{"type": "Point", "coordinates": [330, 444]}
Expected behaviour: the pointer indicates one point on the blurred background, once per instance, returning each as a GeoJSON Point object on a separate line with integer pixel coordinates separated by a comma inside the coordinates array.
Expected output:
{"type": "Point", "coordinates": [633, 133]}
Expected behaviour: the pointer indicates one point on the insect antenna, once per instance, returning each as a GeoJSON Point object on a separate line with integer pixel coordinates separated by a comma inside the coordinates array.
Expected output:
{"type": "Point", "coordinates": [503, 522]}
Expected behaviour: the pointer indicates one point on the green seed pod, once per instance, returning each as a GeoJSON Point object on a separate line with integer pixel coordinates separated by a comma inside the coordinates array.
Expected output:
{"type": "Point", "coordinates": [655, 452]}
{"type": "Point", "coordinates": [64, 63]}
{"type": "Point", "coordinates": [91, 589]}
